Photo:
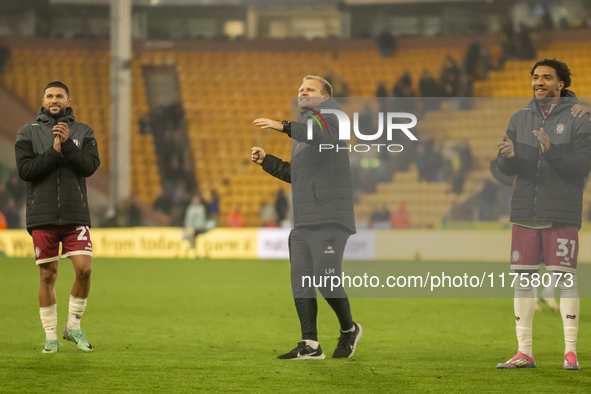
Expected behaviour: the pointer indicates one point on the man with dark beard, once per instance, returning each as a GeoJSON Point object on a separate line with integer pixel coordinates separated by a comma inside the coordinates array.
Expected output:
{"type": "Point", "coordinates": [54, 155]}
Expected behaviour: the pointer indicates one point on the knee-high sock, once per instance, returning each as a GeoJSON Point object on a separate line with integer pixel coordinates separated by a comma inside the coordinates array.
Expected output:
{"type": "Point", "coordinates": [48, 316]}
{"type": "Point", "coordinates": [77, 307]}
{"type": "Point", "coordinates": [569, 310]}
{"type": "Point", "coordinates": [548, 292]}
{"type": "Point", "coordinates": [524, 306]}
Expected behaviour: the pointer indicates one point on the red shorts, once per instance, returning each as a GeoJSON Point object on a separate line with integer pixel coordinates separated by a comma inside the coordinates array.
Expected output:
{"type": "Point", "coordinates": [74, 239]}
{"type": "Point", "coordinates": [558, 244]}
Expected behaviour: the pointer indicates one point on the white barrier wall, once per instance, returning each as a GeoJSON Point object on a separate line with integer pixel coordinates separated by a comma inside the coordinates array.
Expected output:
{"type": "Point", "coordinates": [271, 243]}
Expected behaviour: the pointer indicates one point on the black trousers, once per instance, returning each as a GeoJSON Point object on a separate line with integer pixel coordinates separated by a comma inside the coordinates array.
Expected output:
{"type": "Point", "coordinates": [316, 256]}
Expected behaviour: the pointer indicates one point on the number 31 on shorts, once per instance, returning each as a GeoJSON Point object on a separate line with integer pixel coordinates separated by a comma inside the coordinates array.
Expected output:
{"type": "Point", "coordinates": [563, 247]}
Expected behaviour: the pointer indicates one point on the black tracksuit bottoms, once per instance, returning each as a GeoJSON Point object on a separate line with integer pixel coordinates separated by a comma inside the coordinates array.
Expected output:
{"type": "Point", "coordinates": [315, 255]}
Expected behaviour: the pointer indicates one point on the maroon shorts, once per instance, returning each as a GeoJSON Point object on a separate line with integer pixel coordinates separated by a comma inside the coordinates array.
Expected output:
{"type": "Point", "coordinates": [559, 245]}
{"type": "Point", "coordinates": [74, 239]}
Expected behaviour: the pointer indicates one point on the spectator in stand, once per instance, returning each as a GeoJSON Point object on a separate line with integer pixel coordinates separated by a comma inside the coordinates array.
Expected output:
{"type": "Point", "coordinates": [267, 214]}
{"type": "Point", "coordinates": [450, 77]}
{"type": "Point", "coordinates": [471, 60]}
{"type": "Point", "coordinates": [11, 214]}
{"type": "Point", "coordinates": [4, 55]}
{"type": "Point", "coordinates": [163, 202]}
{"type": "Point", "coordinates": [339, 86]}
{"type": "Point", "coordinates": [134, 213]}
{"type": "Point", "coordinates": [4, 194]}
{"type": "Point", "coordinates": [380, 218]}
{"type": "Point", "coordinates": [403, 87]}
{"type": "Point", "coordinates": [195, 219]}
{"type": "Point", "coordinates": [564, 22]}
{"type": "Point", "coordinates": [3, 224]}
{"type": "Point", "coordinates": [386, 42]}
{"type": "Point", "coordinates": [465, 156]}
{"type": "Point", "coordinates": [281, 206]}
{"type": "Point", "coordinates": [402, 91]}
{"type": "Point", "coordinates": [17, 189]}
{"type": "Point", "coordinates": [429, 88]}
{"type": "Point", "coordinates": [422, 160]}
{"type": "Point", "coordinates": [181, 198]}
{"type": "Point", "coordinates": [547, 20]}
{"type": "Point", "coordinates": [235, 219]}
{"type": "Point", "coordinates": [507, 40]}
{"type": "Point", "coordinates": [382, 90]}
{"type": "Point", "coordinates": [174, 171]}
{"type": "Point", "coordinates": [145, 123]}
{"type": "Point", "coordinates": [461, 162]}
{"type": "Point", "coordinates": [212, 205]}
{"type": "Point", "coordinates": [428, 85]}
{"type": "Point", "coordinates": [488, 197]}
{"type": "Point", "coordinates": [400, 218]}
{"type": "Point", "coordinates": [437, 164]}
{"type": "Point", "coordinates": [484, 64]}
{"type": "Point", "coordinates": [524, 47]}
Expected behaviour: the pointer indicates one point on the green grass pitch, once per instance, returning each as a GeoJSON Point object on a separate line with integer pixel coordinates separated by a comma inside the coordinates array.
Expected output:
{"type": "Point", "coordinates": [218, 325]}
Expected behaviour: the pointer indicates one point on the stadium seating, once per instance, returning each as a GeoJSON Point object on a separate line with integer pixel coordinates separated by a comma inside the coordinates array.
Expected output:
{"type": "Point", "coordinates": [223, 92]}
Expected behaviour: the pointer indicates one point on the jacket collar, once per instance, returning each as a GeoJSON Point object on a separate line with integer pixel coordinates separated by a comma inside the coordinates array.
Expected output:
{"type": "Point", "coordinates": [43, 117]}
{"type": "Point", "coordinates": [563, 103]}
{"type": "Point", "coordinates": [331, 103]}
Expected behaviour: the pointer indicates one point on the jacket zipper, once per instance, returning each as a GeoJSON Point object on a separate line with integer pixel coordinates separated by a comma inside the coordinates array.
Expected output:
{"type": "Point", "coordinates": [81, 196]}
{"type": "Point", "coordinates": [58, 196]}
{"type": "Point", "coordinates": [33, 199]}
{"type": "Point", "coordinates": [537, 174]}
{"type": "Point", "coordinates": [314, 192]}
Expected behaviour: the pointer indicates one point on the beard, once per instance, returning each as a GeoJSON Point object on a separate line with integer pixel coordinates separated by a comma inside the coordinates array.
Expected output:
{"type": "Point", "coordinates": [58, 114]}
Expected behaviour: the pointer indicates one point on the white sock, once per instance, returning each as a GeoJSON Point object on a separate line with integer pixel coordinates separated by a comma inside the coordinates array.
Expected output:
{"type": "Point", "coordinates": [311, 343]}
{"type": "Point", "coordinates": [48, 316]}
{"type": "Point", "coordinates": [77, 307]}
{"type": "Point", "coordinates": [569, 310]}
{"type": "Point", "coordinates": [524, 306]}
{"type": "Point", "coordinates": [548, 292]}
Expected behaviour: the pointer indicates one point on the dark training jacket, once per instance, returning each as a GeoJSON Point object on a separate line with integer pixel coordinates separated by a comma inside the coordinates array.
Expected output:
{"type": "Point", "coordinates": [549, 185]}
{"type": "Point", "coordinates": [56, 183]}
{"type": "Point", "coordinates": [320, 180]}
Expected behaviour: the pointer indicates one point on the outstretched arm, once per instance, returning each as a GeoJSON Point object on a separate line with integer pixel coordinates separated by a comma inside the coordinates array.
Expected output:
{"type": "Point", "coordinates": [273, 165]}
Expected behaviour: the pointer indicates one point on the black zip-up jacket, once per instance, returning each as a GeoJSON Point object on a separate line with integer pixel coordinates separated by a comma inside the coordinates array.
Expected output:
{"type": "Point", "coordinates": [320, 180]}
{"type": "Point", "coordinates": [549, 185]}
{"type": "Point", "coordinates": [56, 183]}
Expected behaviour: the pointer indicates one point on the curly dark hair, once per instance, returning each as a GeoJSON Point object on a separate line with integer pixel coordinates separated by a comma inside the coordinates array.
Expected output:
{"type": "Point", "coordinates": [57, 84]}
{"type": "Point", "coordinates": [562, 70]}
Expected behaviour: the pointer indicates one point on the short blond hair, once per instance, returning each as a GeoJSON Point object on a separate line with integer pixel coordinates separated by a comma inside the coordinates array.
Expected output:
{"type": "Point", "coordinates": [326, 88]}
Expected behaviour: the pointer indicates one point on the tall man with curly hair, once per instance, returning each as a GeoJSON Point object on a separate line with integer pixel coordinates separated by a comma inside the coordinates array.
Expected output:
{"type": "Point", "coordinates": [549, 150]}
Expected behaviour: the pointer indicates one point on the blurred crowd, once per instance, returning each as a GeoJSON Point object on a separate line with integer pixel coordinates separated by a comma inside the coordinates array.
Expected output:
{"type": "Point", "coordinates": [12, 202]}
{"type": "Point", "coordinates": [179, 196]}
